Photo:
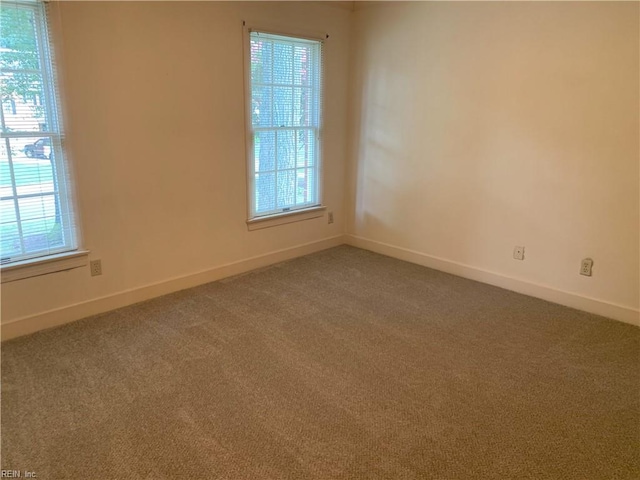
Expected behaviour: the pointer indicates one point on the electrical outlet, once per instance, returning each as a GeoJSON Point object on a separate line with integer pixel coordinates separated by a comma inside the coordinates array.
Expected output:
{"type": "Point", "coordinates": [330, 216]}
{"type": "Point", "coordinates": [96, 267]}
{"type": "Point", "coordinates": [586, 266]}
{"type": "Point", "coordinates": [518, 253]}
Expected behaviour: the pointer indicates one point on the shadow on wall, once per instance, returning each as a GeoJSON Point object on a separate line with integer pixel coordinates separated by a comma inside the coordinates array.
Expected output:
{"type": "Point", "coordinates": [466, 144]}
{"type": "Point", "coordinates": [418, 163]}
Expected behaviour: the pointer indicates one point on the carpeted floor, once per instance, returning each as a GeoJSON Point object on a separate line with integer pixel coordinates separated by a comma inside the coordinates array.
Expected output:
{"type": "Point", "coordinates": [340, 365]}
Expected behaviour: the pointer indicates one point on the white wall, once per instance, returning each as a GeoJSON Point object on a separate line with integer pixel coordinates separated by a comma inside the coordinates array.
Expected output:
{"type": "Point", "coordinates": [481, 126]}
{"type": "Point", "coordinates": [154, 101]}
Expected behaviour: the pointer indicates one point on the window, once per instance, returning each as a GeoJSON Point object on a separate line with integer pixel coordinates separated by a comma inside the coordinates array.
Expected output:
{"type": "Point", "coordinates": [284, 122]}
{"type": "Point", "coordinates": [36, 218]}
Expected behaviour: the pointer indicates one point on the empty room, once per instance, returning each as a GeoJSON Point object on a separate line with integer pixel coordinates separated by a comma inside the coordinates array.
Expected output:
{"type": "Point", "coordinates": [320, 240]}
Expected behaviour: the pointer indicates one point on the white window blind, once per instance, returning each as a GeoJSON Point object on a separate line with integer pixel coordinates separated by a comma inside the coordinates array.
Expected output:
{"type": "Point", "coordinates": [36, 217]}
{"type": "Point", "coordinates": [285, 91]}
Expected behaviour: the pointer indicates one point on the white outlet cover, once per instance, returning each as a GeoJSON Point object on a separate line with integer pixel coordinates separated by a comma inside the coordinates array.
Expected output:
{"type": "Point", "coordinates": [95, 267]}
{"type": "Point", "coordinates": [586, 267]}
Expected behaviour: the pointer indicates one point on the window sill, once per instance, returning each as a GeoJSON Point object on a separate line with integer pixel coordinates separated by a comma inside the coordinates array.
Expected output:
{"type": "Point", "coordinates": [43, 265]}
{"type": "Point", "coordinates": [285, 217]}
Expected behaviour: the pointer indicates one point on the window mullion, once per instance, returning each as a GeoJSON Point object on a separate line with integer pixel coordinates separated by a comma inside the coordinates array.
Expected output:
{"type": "Point", "coordinates": [41, 35]}
{"type": "Point", "coordinates": [14, 188]}
{"type": "Point", "coordinates": [30, 195]}
{"type": "Point", "coordinates": [28, 134]}
{"type": "Point", "coordinates": [2, 122]}
{"type": "Point", "coordinates": [275, 170]}
{"type": "Point", "coordinates": [20, 70]}
{"type": "Point", "coordinates": [295, 165]}
{"type": "Point", "coordinates": [273, 122]}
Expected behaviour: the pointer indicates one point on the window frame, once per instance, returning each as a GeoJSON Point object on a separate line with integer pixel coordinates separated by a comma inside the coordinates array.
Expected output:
{"type": "Point", "coordinates": [69, 255]}
{"type": "Point", "coordinates": [257, 221]}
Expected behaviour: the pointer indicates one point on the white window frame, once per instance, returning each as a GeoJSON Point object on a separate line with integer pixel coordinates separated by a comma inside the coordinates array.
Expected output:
{"type": "Point", "coordinates": [69, 255]}
{"type": "Point", "coordinates": [258, 221]}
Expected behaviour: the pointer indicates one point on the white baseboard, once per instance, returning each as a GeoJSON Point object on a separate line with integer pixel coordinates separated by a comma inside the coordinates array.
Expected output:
{"type": "Point", "coordinates": [569, 299]}
{"type": "Point", "coordinates": [30, 324]}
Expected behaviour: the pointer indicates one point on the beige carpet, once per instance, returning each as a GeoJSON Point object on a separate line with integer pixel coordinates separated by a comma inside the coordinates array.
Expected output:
{"type": "Point", "coordinates": [343, 364]}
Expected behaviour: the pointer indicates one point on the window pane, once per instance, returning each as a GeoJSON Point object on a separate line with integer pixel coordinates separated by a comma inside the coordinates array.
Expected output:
{"type": "Point", "coordinates": [306, 150]}
{"type": "Point", "coordinates": [301, 65]}
{"type": "Point", "coordinates": [286, 149]}
{"type": "Point", "coordinates": [24, 93]}
{"type": "Point", "coordinates": [261, 106]}
{"type": "Point", "coordinates": [37, 208]}
{"type": "Point", "coordinates": [265, 146]}
{"type": "Point", "coordinates": [19, 47]}
{"type": "Point", "coordinates": [312, 185]}
{"type": "Point", "coordinates": [283, 106]}
{"type": "Point", "coordinates": [261, 62]}
{"type": "Point", "coordinates": [302, 115]}
{"type": "Point", "coordinates": [40, 234]}
{"type": "Point", "coordinates": [9, 240]}
{"type": "Point", "coordinates": [32, 168]}
{"type": "Point", "coordinates": [301, 186]}
{"type": "Point", "coordinates": [283, 63]}
{"type": "Point", "coordinates": [286, 188]}
{"type": "Point", "coordinates": [6, 188]}
{"type": "Point", "coordinates": [7, 211]}
{"type": "Point", "coordinates": [265, 192]}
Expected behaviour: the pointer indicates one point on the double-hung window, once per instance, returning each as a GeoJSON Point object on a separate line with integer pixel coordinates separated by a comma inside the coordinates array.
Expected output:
{"type": "Point", "coordinates": [284, 123]}
{"type": "Point", "coordinates": [36, 217]}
